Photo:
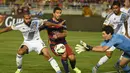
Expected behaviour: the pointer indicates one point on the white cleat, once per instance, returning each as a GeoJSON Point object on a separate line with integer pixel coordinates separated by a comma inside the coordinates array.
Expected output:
{"type": "Point", "coordinates": [77, 70]}
{"type": "Point", "coordinates": [94, 70]}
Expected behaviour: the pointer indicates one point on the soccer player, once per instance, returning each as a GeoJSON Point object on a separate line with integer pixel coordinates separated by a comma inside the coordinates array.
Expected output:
{"type": "Point", "coordinates": [126, 9]}
{"type": "Point", "coordinates": [32, 41]}
{"type": "Point", "coordinates": [119, 41]}
{"type": "Point", "coordinates": [118, 20]}
{"type": "Point", "coordinates": [56, 36]}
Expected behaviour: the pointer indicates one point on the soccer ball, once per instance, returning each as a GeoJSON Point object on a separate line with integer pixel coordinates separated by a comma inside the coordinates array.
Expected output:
{"type": "Point", "coordinates": [60, 49]}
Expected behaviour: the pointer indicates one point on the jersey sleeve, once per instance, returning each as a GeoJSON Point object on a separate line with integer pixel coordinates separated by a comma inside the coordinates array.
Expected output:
{"type": "Point", "coordinates": [113, 41]}
{"type": "Point", "coordinates": [15, 26]}
{"type": "Point", "coordinates": [102, 43]}
{"type": "Point", "coordinates": [108, 20]}
{"type": "Point", "coordinates": [129, 12]}
{"type": "Point", "coordinates": [64, 26]}
{"type": "Point", "coordinates": [124, 17]}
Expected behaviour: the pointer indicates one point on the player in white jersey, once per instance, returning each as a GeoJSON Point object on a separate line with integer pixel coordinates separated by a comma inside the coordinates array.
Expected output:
{"type": "Point", "coordinates": [32, 40]}
{"type": "Point", "coordinates": [118, 20]}
{"type": "Point", "coordinates": [126, 9]}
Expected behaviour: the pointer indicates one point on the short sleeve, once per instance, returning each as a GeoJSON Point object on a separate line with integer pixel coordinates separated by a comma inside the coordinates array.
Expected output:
{"type": "Point", "coordinates": [108, 20]}
{"type": "Point", "coordinates": [15, 26]}
{"type": "Point", "coordinates": [113, 41]}
{"type": "Point", "coordinates": [124, 17]}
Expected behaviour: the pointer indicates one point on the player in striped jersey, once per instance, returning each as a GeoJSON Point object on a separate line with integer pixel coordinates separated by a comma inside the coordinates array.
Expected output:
{"type": "Point", "coordinates": [57, 36]}
{"type": "Point", "coordinates": [32, 40]}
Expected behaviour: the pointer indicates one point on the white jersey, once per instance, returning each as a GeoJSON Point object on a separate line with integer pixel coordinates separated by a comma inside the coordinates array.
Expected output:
{"type": "Point", "coordinates": [128, 12]}
{"type": "Point", "coordinates": [117, 22]}
{"type": "Point", "coordinates": [29, 32]}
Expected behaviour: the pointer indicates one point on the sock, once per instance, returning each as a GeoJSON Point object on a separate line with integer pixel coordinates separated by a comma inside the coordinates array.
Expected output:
{"type": "Point", "coordinates": [54, 65]}
{"type": "Point", "coordinates": [73, 63]}
{"type": "Point", "coordinates": [102, 61]}
{"type": "Point", "coordinates": [126, 69]}
{"type": "Point", "coordinates": [65, 65]}
{"type": "Point", "coordinates": [19, 61]}
{"type": "Point", "coordinates": [117, 63]}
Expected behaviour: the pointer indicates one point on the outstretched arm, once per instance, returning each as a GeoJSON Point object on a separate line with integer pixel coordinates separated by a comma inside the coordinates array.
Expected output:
{"type": "Point", "coordinates": [5, 29]}
{"type": "Point", "coordinates": [85, 47]}
{"type": "Point", "coordinates": [100, 48]}
{"type": "Point", "coordinates": [47, 23]}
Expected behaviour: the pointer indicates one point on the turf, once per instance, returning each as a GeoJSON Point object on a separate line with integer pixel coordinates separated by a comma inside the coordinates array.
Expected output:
{"type": "Point", "coordinates": [33, 63]}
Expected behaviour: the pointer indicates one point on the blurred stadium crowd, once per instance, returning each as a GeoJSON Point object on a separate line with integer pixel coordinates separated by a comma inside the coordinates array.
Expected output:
{"type": "Point", "coordinates": [39, 7]}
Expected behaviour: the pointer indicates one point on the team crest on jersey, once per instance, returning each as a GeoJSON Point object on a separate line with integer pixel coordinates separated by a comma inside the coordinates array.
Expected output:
{"type": "Point", "coordinates": [34, 25]}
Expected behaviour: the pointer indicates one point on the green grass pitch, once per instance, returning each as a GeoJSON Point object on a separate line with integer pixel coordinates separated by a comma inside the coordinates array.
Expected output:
{"type": "Point", "coordinates": [33, 63]}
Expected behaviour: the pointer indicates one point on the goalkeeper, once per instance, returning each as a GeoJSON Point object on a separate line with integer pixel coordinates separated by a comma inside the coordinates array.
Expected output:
{"type": "Point", "coordinates": [110, 39]}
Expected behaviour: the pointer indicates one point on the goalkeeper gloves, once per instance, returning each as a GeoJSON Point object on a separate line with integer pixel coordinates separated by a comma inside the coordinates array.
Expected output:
{"type": "Point", "coordinates": [82, 47]}
{"type": "Point", "coordinates": [86, 46]}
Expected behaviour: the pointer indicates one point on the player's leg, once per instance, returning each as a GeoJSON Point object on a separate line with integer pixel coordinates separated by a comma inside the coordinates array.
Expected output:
{"type": "Point", "coordinates": [51, 60]}
{"type": "Point", "coordinates": [64, 60]}
{"type": "Point", "coordinates": [124, 61]}
{"type": "Point", "coordinates": [23, 49]}
{"type": "Point", "coordinates": [72, 58]}
{"type": "Point", "coordinates": [117, 66]}
{"type": "Point", "coordinates": [104, 59]}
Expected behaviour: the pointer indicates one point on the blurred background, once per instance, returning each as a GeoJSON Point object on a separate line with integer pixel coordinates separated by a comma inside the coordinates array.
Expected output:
{"type": "Point", "coordinates": [73, 7]}
{"type": "Point", "coordinates": [78, 13]}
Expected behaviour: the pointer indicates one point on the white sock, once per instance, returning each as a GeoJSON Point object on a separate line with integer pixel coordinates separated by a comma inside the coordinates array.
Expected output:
{"type": "Point", "coordinates": [102, 61]}
{"type": "Point", "coordinates": [54, 64]}
{"type": "Point", "coordinates": [19, 61]}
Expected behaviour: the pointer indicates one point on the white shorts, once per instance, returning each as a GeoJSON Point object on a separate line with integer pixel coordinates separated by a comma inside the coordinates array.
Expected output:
{"type": "Point", "coordinates": [112, 48]}
{"type": "Point", "coordinates": [35, 45]}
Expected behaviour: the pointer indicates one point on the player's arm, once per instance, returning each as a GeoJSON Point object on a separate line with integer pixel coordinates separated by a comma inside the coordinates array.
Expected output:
{"type": "Point", "coordinates": [47, 23]}
{"type": "Point", "coordinates": [60, 34]}
{"type": "Point", "coordinates": [126, 29]}
{"type": "Point", "coordinates": [82, 47]}
{"type": "Point", "coordinates": [5, 29]}
{"type": "Point", "coordinates": [100, 48]}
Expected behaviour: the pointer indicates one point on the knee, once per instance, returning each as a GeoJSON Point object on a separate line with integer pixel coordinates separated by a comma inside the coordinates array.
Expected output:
{"type": "Point", "coordinates": [121, 65]}
{"type": "Point", "coordinates": [21, 52]}
{"type": "Point", "coordinates": [46, 53]}
{"type": "Point", "coordinates": [109, 54]}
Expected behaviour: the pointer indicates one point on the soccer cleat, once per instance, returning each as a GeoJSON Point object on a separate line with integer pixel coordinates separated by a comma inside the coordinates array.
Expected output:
{"type": "Point", "coordinates": [94, 69]}
{"type": "Point", "coordinates": [59, 71]}
{"type": "Point", "coordinates": [117, 67]}
{"type": "Point", "coordinates": [77, 70]}
{"type": "Point", "coordinates": [18, 71]}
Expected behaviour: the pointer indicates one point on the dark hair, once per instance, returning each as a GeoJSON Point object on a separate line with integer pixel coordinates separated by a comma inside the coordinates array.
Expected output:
{"type": "Point", "coordinates": [108, 29]}
{"type": "Point", "coordinates": [116, 3]}
{"type": "Point", "coordinates": [56, 8]}
{"type": "Point", "coordinates": [26, 14]}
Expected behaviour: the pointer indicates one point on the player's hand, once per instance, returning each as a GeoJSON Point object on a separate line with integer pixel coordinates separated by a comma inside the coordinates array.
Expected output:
{"type": "Point", "coordinates": [83, 43]}
{"type": "Point", "coordinates": [79, 48]}
{"type": "Point", "coordinates": [55, 37]}
{"type": "Point", "coordinates": [86, 46]}
{"type": "Point", "coordinates": [45, 20]}
{"type": "Point", "coordinates": [61, 24]}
